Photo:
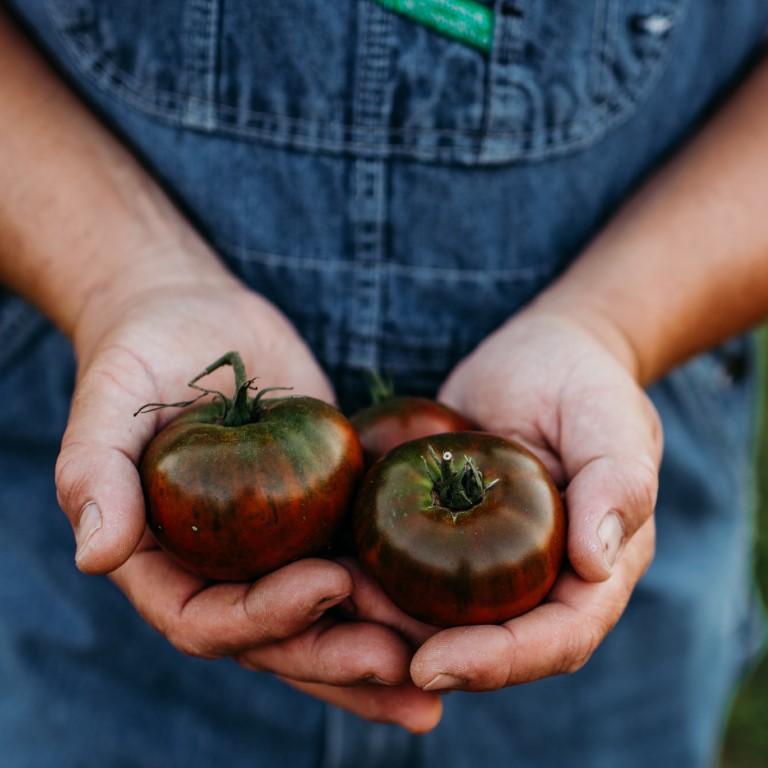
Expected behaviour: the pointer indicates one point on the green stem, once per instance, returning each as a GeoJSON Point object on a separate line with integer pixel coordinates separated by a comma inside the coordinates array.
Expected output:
{"type": "Point", "coordinates": [240, 408]}
{"type": "Point", "coordinates": [380, 388]}
{"type": "Point", "coordinates": [456, 489]}
{"type": "Point", "coordinates": [257, 406]}
{"type": "Point", "coordinates": [230, 358]}
{"type": "Point", "coordinates": [236, 411]}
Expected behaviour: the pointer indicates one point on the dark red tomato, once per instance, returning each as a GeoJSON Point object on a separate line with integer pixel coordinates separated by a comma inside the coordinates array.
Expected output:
{"type": "Point", "coordinates": [464, 528]}
{"type": "Point", "coordinates": [235, 502]}
{"type": "Point", "coordinates": [396, 420]}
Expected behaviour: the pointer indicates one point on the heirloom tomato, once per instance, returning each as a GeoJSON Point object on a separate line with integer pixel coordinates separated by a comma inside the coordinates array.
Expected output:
{"type": "Point", "coordinates": [462, 528]}
{"type": "Point", "coordinates": [395, 419]}
{"type": "Point", "coordinates": [239, 487]}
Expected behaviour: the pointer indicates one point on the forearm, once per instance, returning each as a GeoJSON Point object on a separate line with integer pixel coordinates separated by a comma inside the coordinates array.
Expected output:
{"type": "Point", "coordinates": [78, 215]}
{"type": "Point", "coordinates": [684, 264]}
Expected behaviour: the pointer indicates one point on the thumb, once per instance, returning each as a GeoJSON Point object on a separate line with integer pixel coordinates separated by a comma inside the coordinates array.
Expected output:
{"type": "Point", "coordinates": [97, 482]}
{"type": "Point", "coordinates": [607, 500]}
{"type": "Point", "coordinates": [611, 447]}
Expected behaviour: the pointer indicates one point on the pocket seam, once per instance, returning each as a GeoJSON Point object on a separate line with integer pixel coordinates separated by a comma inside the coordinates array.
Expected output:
{"type": "Point", "coordinates": [340, 137]}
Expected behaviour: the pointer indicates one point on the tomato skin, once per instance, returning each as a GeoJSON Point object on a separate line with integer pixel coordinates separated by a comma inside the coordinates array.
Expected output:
{"type": "Point", "coordinates": [396, 420]}
{"type": "Point", "coordinates": [485, 565]}
{"type": "Point", "coordinates": [234, 503]}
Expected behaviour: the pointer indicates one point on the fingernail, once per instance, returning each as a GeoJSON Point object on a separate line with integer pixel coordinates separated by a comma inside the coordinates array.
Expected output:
{"type": "Point", "coordinates": [376, 680]}
{"type": "Point", "coordinates": [443, 681]}
{"type": "Point", "coordinates": [611, 534]}
{"type": "Point", "coordinates": [90, 522]}
{"type": "Point", "coordinates": [328, 602]}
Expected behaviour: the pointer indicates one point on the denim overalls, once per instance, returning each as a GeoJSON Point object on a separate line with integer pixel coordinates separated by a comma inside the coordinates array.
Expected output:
{"type": "Point", "coordinates": [398, 195]}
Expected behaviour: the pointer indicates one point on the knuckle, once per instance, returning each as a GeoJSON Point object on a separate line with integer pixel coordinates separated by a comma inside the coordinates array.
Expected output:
{"type": "Point", "coordinates": [70, 481]}
{"type": "Point", "coordinates": [575, 660]}
{"type": "Point", "coordinates": [656, 427]}
{"type": "Point", "coordinates": [259, 609]}
{"type": "Point", "coordinates": [641, 487]}
{"type": "Point", "coordinates": [177, 640]}
{"type": "Point", "coordinates": [185, 642]}
{"type": "Point", "coordinates": [581, 645]}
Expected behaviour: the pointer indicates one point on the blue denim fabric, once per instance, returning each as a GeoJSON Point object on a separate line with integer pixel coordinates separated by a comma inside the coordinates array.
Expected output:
{"type": "Point", "coordinates": [398, 195]}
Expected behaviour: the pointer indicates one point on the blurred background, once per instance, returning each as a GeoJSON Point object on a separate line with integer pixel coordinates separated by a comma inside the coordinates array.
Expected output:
{"type": "Point", "coordinates": [746, 742]}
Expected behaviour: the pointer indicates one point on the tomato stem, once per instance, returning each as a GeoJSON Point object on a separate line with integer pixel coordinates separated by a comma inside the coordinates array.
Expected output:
{"type": "Point", "coordinates": [456, 489]}
{"type": "Point", "coordinates": [257, 406]}
{"type": "Point", "coordinates": [379, 387]}
{"type": "Point", "coordinates": [230, 358]}
{"type": "Point", "coordinates": [236, 410]}
{"type": "Point", "coordinates": [239, 409]}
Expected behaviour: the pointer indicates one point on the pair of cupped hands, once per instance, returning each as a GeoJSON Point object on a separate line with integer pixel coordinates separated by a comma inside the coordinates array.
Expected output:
{"type": "Point", "coordinates": [544, 379]}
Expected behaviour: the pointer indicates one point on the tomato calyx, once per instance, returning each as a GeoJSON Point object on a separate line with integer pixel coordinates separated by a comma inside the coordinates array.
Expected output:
{"type": "Point", "coordinates": [237, 410]}
{"type": "Point", "coordinates": [457, 490]}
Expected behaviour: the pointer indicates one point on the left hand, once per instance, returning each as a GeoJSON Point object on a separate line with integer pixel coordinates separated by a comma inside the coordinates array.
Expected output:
{"type": "Point", "coordinates": [136, 345]}
{"type": "Point", "coordinates": [565, 392]}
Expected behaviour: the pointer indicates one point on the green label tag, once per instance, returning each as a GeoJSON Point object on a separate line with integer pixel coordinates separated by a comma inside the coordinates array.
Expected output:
{"type": "Point", "coordinates": [463, 20]}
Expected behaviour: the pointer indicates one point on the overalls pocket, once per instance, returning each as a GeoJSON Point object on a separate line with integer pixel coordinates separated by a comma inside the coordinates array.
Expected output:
{"type": "Point", "coordinates": [297, 73]}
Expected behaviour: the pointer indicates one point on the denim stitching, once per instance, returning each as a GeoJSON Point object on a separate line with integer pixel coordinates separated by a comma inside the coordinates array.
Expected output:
{"type": "Point", "coordinates": [110, 77]}
{"type": "Point", "coordinates": [610, 28]}
{"type": "Point", "coordinates": [199, 55]}
{"type": "Point", "coordinates": [368, 200]}
{"type": "Point", "coordinates": [453, 154]}
{"type": "Point", "coordinates": [501, 81]}
{"type": "Point", "coordinates": [598, 61]}
{"type": "Point", "coordinates": [595, 130]}
{"type": "Point", "coordinates": [213, 25]}
{"type": "Point", "coordinates": [245, 255]}
{"type": "Point", "coordinates": [597, 126]}
{"type": "Point", "coordinates": [611, 32]}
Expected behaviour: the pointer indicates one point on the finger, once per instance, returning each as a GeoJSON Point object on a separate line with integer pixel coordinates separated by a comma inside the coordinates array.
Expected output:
{"type": "Point", "coordinates": [336, 653]}
{"type": "Point", "coordinates": [368, 602]}
{"type": "Point", "coordinates": [224, 619]}
{"type": "Point", "coordinates": [607, 501]}
{"type": "Point", "coordinates": [611, 451]}
{"type": "Point", "coordinates": [97, 482]}
{"type": "Point", "coordinates": [404, 705]}
{"type": "Point", "coordinates": [555, 638]}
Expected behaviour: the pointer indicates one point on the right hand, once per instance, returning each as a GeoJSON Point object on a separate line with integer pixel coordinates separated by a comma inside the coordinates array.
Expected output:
{"type": "Point", "coordinates": [140, 347]}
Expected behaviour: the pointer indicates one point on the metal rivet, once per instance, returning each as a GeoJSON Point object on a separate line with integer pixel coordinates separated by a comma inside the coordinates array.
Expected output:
{"type": "Point", "coordinates": [656, 24]}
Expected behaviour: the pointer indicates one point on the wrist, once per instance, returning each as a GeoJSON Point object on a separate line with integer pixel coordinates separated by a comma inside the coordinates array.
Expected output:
{"type": "Point", "coordinates": [149, 272]}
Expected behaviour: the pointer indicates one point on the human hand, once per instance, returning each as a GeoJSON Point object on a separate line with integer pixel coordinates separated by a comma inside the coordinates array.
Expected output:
{"type": "Point", "coordinates": [564, 391]}
{"type": "Point", "coordinates": [135, 347]}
